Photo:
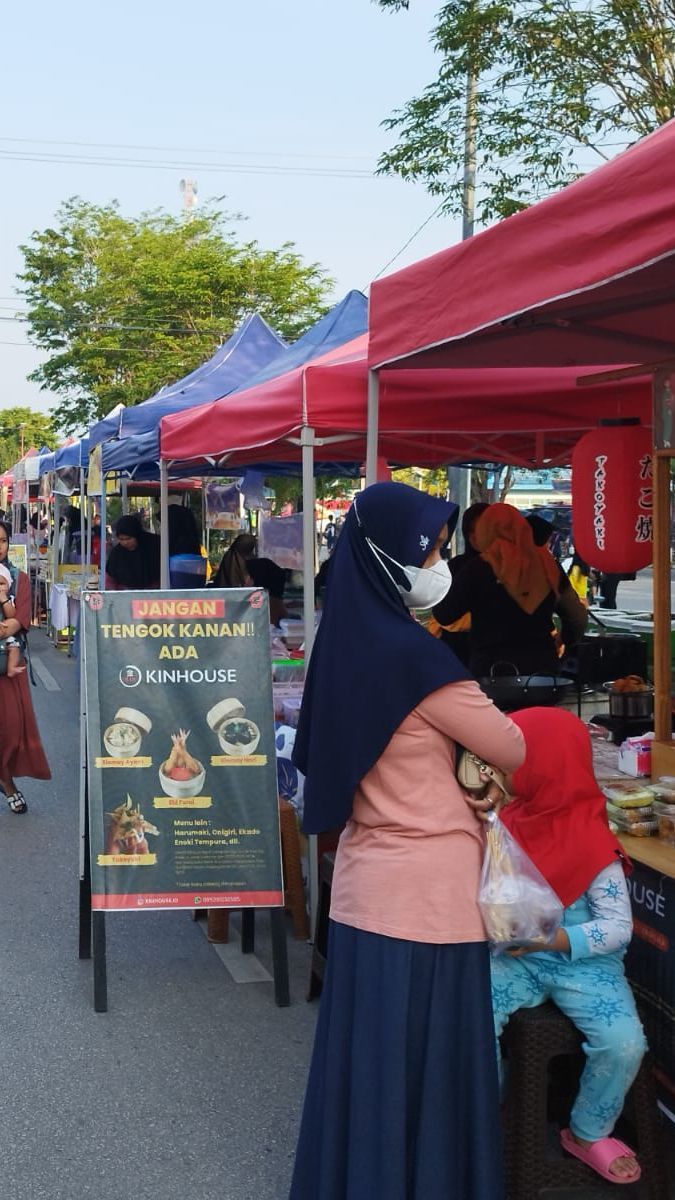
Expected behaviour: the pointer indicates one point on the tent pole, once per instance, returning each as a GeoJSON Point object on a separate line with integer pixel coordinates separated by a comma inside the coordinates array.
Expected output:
{"type": "Point", "coordinates": [83, 530]}
{"type": "Point", "coordinates": [372, 428]}
{"type": "Point", "coordinates": [125, 496]}
{"type": "Point", "coordinates": [103, 514]}
{"type": "Point", "coordinates": [308, 560]}
{"type": "Point", "coordinates": [164, 522]}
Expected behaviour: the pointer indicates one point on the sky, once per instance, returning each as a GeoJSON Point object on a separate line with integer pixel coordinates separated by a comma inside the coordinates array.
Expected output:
{"type": "Point", "coordinates": [251, 101]}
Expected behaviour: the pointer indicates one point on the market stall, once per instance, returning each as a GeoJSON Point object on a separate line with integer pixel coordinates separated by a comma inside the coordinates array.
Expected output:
{"type": "Point", "coordinates": [585, 275]}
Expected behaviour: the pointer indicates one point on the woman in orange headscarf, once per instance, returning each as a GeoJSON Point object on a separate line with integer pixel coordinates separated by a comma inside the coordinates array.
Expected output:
{"type": "Point", "coordinates": [512, 589]}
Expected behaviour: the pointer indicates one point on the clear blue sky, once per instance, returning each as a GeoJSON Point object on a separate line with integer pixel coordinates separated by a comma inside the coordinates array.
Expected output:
{"type": "Point", "coordinates": [303, 84]}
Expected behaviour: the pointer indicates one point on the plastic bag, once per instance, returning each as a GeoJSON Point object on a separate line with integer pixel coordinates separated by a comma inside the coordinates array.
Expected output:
{"type": "Point", "coordinates": [517, 904]}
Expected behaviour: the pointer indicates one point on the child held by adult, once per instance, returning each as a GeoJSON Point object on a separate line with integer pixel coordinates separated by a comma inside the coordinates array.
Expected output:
{"type": "Point", "coordinates": [558, 817]}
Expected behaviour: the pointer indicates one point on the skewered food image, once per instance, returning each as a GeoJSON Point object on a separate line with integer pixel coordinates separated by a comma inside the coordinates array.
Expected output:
{"type": "Point", "coordinates": [181, 774]}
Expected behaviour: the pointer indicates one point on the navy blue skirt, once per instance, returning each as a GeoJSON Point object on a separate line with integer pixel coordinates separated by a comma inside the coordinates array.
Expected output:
{"type": "Point", "coordinates": [402, 1097]}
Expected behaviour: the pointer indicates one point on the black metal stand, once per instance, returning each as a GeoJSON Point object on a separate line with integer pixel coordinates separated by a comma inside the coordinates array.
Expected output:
{"type": "Point", "coordinates": [279, 949]}
{"type": "Point", "coordinates": [92, 924]}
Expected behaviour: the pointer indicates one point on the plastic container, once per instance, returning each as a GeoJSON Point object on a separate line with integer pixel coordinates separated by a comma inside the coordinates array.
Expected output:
{"type": "Point", "coordinates": [291, 710]}
{"type": "Point", "coordinates": [292, 632]}
{"type": "Point", "coordinates": [187, 570]}
{"type": "Point", "coordinates": [628, 794]}
{"type": "Point", "coordinates": [630, 816]}
{"type": "Point", "coordinates": [666, 830]}
{"type": "Point", "coordinates": [663, 789]}
{"type": "Point", "coordinates": [661, 808]}
{"type": "Point", "coordinates": [637, 828]}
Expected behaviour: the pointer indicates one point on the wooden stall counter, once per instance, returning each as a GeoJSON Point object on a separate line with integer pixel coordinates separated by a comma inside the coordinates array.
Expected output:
{"type": "Point", "coordinates": [651, 852]}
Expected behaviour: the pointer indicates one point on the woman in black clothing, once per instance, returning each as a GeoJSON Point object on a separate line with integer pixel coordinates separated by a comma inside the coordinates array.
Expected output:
{"type": "Point", "coordinates": [512, 588]}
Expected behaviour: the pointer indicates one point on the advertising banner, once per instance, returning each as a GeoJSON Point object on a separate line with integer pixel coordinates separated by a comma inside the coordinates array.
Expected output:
{"type": "Point", "coordinates": [183, 808]}
{"type": "Point", "coordinates": [650, 966]}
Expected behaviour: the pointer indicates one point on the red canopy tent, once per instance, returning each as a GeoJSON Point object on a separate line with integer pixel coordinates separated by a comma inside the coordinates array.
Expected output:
{"type": "Point", "coordinates": [430, 418]}
{"type": "Point", "coordinates": [585, 276]}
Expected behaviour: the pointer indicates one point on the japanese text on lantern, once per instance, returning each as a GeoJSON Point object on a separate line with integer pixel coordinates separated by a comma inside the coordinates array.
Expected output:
{"type": "Point", "coordinates": [643, 522]}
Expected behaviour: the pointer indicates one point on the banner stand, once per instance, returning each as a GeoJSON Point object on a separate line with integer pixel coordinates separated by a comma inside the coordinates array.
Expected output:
{"type": "Point", "coordinates": [216, 818]}
{"type": "Point", "coordinates": [92, 937]}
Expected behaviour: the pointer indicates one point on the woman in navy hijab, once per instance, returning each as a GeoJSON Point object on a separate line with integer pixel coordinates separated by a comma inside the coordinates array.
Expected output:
{"type": "Point", "coordinates": [402, 1099]}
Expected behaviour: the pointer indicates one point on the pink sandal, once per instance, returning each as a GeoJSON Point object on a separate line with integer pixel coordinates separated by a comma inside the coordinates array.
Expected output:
{"type": "Point", "coordinates": [600, 1156]}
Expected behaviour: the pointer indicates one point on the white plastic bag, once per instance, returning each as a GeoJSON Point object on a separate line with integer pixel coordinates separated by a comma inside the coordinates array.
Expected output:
{"type": "Point", "coordinates": [517, 904]}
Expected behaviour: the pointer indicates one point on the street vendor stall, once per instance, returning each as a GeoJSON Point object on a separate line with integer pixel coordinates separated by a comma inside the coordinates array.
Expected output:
{"type": "Point", "coordinates": [583, 276]}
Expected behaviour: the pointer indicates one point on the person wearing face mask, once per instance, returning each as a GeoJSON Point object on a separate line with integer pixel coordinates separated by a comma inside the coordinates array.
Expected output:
{"type": "Point", "coordinates": [512, 588]}
{"type": "Point", "coordinates": [402, 1097]}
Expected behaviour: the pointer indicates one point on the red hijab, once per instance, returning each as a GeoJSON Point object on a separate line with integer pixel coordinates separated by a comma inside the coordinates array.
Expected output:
{"type": "Point", "coordinates": [558, 813]}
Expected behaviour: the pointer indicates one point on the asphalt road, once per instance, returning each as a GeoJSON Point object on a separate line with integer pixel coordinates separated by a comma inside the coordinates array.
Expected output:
{"type": "Point", "coordinates": [190, 1086]}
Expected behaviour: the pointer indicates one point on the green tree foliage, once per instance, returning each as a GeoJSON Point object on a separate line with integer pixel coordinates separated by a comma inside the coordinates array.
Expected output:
{"type": "Point", "coordinates": [123, 307]}
{"type": "Point", "coordinates": [22, 426]}
{"type": "Point", "coordinates": [560, 84]}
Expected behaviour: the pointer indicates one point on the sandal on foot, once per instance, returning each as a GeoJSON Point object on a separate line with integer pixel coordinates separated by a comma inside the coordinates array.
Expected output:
{"type": "Point", "coordinates": [16, 803]}
{"type": "Point", "coordinates": [600, 1156]}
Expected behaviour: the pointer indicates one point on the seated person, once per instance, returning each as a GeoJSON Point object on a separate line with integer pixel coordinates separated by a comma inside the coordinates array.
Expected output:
{"type": "Point", "coordinates": [582, 969]}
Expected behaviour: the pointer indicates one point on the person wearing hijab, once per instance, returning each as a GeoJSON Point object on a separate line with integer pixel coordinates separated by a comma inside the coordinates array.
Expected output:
{"type": "Point", "coordinates": [512, 588]}
{"type": "Point", "coordinates": [456, 634]}
{"type": "Point", "coordinates": [233, 570]}
{"type": "Point", "coordinates": [21, 752]}
{"type": "Point", "coordinates": [134, 563]}
{"type": "Point", "coordinates": [401, 1100]}
{"type": "Point", "coordinates": [240, 567]}
{"type": "Point", "coordinates": [558, 817]}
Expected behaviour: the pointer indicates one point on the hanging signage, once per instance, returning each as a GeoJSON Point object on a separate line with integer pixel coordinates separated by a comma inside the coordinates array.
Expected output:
{"type": "Point", "coordinates": [612, 498]}
{"type": "Point", "coordinates": [18, 556]}
{"type": "Point", "coordinates": [183, 808]}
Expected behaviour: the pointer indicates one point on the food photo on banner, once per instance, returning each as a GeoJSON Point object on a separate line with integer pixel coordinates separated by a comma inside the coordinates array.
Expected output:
{"type": "Point", "coordinates": [182, 788]}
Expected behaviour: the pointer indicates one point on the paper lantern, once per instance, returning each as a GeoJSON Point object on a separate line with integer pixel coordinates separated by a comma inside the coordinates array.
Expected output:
{"type": "Point", "coordinates": [612, 497]}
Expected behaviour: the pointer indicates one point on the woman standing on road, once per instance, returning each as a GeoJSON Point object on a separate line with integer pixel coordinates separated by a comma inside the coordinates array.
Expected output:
{"type": "Point", "coordinates": [402, 1099]}
{"type": "Point", "coordinates": [21, 750]}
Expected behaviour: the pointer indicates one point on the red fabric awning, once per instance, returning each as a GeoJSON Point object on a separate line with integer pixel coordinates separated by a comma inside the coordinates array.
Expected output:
{"type": "Point", "coordinates": [524, 417]}
{"type": "Point", "coordinates": [585, 276]}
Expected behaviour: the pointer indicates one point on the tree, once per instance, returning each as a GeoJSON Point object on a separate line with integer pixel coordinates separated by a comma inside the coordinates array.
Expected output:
{"type": "Point", "coordinates": [557, 82]}
{"type": "Point", "coordinates": [123, 307]}
{"type": "Point", "coordinates": [491, 486]}
{"type": "Point", "coordinates": [21, 428]}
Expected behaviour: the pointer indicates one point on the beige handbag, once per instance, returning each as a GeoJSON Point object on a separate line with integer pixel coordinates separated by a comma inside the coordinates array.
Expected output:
{"type": "Point", "coordinates": [474, 775]}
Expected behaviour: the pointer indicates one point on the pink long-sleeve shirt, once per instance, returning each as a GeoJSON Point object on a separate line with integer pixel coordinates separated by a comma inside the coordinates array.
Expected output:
{"type": "Point", "coordinates": [408, 862]}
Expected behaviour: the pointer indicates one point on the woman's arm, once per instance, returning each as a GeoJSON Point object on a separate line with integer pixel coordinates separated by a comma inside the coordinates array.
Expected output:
{"type": "Point", "coordinates": [464, 713]}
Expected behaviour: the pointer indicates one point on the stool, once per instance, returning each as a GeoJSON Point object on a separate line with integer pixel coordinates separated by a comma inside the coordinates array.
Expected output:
{"type": "Point", "coordinates": [218, 919]}
{"type": "Point", "coordinates": [533, 1037]}
{"type": "Point", "coordinates": [320, 949]}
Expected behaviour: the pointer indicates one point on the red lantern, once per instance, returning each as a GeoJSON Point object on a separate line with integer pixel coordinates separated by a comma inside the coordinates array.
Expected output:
{"type": "Point", "coordinates": [612, 497]}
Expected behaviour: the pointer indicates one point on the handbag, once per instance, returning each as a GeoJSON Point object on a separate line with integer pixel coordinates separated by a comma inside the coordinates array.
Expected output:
{"type": "Point", "coordinates": [474, 774]}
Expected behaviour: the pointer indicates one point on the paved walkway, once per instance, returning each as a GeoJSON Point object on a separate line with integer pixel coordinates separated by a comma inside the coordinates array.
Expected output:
{"type": "Point", "coordinates": [189, 1088]}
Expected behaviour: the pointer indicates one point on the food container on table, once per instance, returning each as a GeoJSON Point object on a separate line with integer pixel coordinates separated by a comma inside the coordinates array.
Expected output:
{"type": "Point", "coordinates": [627, 793]}
{"type": "Point", "coordinates": [625, 703]}
{"type": "Point", "coordinates": [291, 710]}
{"type": "Point", "coordinates": [122, 738]}
{"type": "Point", "coordinates": [292, 632]}
{"type": "Point", "coordinates": [237, 734]}
{"type": "Point", "coordinates": [637, 828]}
{"type": "Point", "coordinates": [666, 829]}
{"type": "Point", "coordinates": [663, 789]}
{"type": "Point", "coordinates": [630, 816]}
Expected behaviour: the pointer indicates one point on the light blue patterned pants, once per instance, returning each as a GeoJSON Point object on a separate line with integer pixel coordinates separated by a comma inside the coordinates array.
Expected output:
{"type": "Point", "coordinates": [595, 995]}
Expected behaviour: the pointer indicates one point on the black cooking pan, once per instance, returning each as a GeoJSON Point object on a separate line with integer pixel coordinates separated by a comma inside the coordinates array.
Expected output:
{"type": "Point", "coordinates": [512, 691]}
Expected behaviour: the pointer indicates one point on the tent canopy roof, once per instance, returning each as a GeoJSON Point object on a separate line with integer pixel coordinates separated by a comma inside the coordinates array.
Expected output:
{"type": "Point", "coordinates": [586, 276]}
{"type": "Point", "coordinates": [526, 417]}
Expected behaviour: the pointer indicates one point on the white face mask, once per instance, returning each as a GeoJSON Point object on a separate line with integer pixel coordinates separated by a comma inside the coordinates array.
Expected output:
{"type": "Point", "coordinates": [428, 585]}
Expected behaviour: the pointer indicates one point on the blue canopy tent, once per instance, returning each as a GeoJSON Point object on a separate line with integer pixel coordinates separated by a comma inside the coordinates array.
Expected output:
{"type": "Point", "coordinates": [251, 347]}
{"type": "Point", "coordinates": [139, 455]}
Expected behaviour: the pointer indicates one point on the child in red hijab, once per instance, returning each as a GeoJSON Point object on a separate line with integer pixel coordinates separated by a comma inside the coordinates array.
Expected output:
{"type": "Point", "coordinates": [558, 817]}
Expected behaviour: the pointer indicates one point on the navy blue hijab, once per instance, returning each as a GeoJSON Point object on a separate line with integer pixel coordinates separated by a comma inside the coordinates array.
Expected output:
{"type": "Point", "coordinates": [371, 663]}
